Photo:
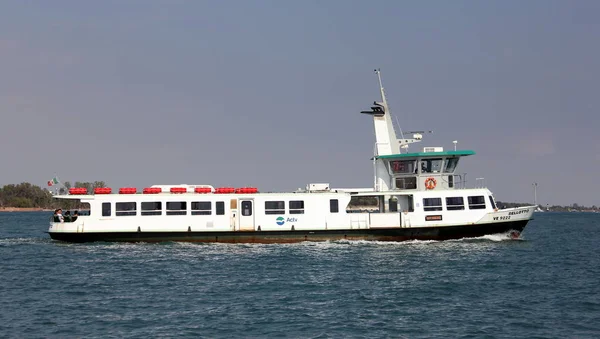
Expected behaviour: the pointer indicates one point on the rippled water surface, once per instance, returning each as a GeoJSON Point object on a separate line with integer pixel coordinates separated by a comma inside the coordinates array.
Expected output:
{"type": "Point", "coordinates": [546, 285]}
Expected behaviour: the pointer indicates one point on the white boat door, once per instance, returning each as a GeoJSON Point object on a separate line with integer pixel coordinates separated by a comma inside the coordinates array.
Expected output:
{"type": "Point", "coordinates": [247, 215]}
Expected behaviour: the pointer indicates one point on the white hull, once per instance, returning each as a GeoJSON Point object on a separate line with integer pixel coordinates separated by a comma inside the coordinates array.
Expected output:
{"type": "Point", "coordinates": [316, 214]}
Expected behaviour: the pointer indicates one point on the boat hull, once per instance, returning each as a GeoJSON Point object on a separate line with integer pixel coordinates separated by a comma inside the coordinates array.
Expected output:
{"type": "Point", "coordinates": [265, 237]}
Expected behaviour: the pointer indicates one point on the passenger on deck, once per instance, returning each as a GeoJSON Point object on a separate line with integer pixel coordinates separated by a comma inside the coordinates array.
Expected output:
{"type": "Point", "coordinates": [68, 216]}
{"type": "Point", "coordinates": [423, 167]}
{"type": "Point", "coordinates": [75, 215]}
{"type": "Point", "coordinates": [55, 216]}
{"type": "Point", "coordinates": [59, 215]}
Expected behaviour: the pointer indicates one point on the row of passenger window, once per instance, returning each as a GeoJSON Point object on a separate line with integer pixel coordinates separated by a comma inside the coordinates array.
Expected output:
{"type": "Point", "coordinates": [201, 207]}
{"type": "Point", "coordinates": [456, 203]}
{"type": "Point", "coordinates": [296, 207]}
{"type": "Point", "coordinates": [155, 208]}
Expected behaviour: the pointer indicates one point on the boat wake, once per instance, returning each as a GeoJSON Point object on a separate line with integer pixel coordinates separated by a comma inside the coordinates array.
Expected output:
{"type": "Point", "coordinates": [507, 236]}
{"type": "Point", "coordinates": [498, 237]}
{"type": "Point", "coordinates": [184, 248]}
{"type": "Point", "coordinates": [23, 241]}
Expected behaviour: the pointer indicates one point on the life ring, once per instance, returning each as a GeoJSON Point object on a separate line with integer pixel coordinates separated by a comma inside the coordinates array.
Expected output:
{"type": "Point", "coordinates": [430, 183]}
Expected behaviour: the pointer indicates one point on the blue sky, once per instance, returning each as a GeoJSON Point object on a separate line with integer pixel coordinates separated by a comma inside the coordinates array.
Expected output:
{"type": "Point", "coordinates": [268, 93]}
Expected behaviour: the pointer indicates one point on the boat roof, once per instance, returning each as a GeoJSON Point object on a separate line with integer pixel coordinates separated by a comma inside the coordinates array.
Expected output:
{"type": "Point", "coordinates": [188, 194]}
{"type": "Point", "coordinates": [462, 153]}
{"type": "Point", "coordinates": [145, 197]}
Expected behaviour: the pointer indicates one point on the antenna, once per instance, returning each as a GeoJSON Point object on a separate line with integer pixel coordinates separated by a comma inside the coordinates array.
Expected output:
{"type": "Point", "coordinates": [480, 181]}
{"type": "Point", "coordinates": [419, 132]}
{"type": "Point", "coordinates": [401, 134]}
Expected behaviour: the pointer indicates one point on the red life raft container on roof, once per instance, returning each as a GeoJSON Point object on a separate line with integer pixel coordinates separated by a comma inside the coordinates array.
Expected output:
{"type": "Point", "coordinates": [244, 190]}
{"type": "Point", "coordinates": [224, 190]}
{"type": "Point", "coordinates": [152, 190]}
{"type": "Point", "coordinates": [178, 190]}
{"type": "Point", "coordinates": [78, 190]}
{"type": "Point", "coordinates": [127, 190]}
{"type": "Point", "coordinates": [102, 190]}
{"type": "Point", "coordinates": [202, 190]}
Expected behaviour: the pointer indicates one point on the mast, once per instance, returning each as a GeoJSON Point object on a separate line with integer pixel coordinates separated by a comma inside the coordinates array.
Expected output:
{"type": "Point", "coordinates": [387, 107]}
{"type": "Point", "coordinates": [381, 90]}
{"type": "Point", "coordinates": [385, 136]}
{"type": "Point", "coordinates": [386, 141]}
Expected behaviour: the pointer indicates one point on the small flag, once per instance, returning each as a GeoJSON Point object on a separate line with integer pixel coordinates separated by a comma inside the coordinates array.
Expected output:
{"type": "Point", "coordinates": [53, 182]}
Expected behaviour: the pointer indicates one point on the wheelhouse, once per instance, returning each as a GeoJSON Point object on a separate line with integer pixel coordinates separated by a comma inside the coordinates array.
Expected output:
{"type": "Point", "coordinates": [425, 170]}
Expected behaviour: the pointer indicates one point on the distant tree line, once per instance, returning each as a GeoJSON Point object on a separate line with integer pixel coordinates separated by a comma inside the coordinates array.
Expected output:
{"type": "Point", "coordinates": [26, 195]}
{"type": "Point", "coordinates": [88, 185]}
{"type": "Point", "coordinates": [554, 208]}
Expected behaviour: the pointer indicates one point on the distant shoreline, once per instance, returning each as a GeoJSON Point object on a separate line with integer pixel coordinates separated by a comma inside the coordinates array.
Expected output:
{"type": "Point", "coordinates": [25, 209]}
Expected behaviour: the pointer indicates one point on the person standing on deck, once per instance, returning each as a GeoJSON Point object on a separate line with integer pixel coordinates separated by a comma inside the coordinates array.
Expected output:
{"type": "Point", "coordinates": [60, 216]}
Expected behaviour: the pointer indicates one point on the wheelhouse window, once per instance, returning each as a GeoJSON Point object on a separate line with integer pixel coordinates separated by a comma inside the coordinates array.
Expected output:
{"type": "Point", "coordinates": [201, 208]}
{"type": "Point", "coordinates": [492, 202]}
{"type": "Point", "coordinates": [220, 207]}
{"type": "Point", "coordinates": [274, 207]}
{"type": "Point", "coordinates": [455, 203]}
{"type": "Point", "coordinates": [403, 166]}
{"type": "Point", "coordinates": [476, 202]}
{"type": "Point", "coordinates": [125, 208]}
{"type": "Point", "coordinates": [176, 208]}
{"type": "Point", "coordinates": [106, 210]}
{"type": "Point", "coordinates": [334, 206]}
{"type": "Point", "coordinates": [450, 165]}
{"type": "Point", "coordinates": [431, 165]}
{"type": "Point", "coordinates": [432, 204]}
{"type": "Point", "coordinates": [297, 207]}
{"type": "Point", "coordinates": [151, 208]}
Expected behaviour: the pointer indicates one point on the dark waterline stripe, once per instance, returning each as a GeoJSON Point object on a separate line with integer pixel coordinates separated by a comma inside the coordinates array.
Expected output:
{"type": "Point", "coordinates": [387, 234]}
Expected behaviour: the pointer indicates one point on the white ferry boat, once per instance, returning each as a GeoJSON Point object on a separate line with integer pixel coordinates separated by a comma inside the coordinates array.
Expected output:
{"type": "Point", "coordinates": [414, 196]}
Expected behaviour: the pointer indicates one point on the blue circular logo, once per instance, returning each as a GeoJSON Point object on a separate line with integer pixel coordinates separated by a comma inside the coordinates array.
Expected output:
{"type": "Point", "coordinates": [280, 221]}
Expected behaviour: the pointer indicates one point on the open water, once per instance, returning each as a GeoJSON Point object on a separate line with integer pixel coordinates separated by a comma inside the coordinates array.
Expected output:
{"type": "Point", "coordinates": [546, 285]}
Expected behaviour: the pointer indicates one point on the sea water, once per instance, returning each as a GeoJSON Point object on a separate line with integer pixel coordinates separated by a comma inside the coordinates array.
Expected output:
{"type": "Point", "coordinates": [545, 285]}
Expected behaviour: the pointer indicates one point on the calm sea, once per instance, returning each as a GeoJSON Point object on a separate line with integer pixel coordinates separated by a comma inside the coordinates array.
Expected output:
{"type": "Point", "coordinates": [546, 285]}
